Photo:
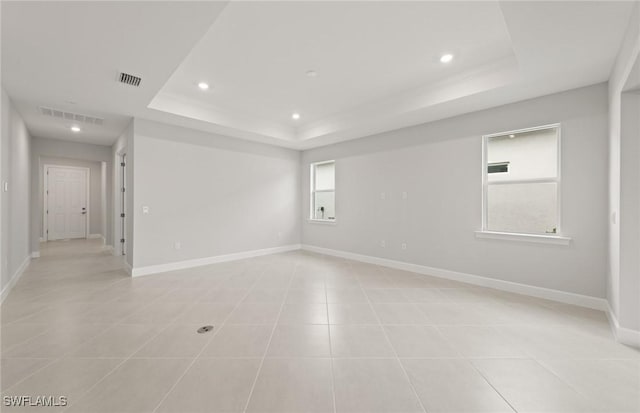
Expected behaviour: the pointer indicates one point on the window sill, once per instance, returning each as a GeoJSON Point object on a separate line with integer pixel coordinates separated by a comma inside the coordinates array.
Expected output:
{"type": "Point", "coordinates": [322, 221]}
{"type": "Point", "coordinates": [509, 236]}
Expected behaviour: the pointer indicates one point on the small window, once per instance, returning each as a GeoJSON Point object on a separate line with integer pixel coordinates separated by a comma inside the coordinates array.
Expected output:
{"type": "Point", "coordinates": [498, 167]}
{"type": "Point", "coordinates": [323, 191]}
{"type": "Point", "coordinates": [521, 181]}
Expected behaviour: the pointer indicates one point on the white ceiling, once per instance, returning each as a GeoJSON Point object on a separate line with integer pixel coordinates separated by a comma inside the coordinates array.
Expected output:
{"type": "Point", "coordinates": [54, 53]}
{"type": "Point", "coordinates": [377, 62]}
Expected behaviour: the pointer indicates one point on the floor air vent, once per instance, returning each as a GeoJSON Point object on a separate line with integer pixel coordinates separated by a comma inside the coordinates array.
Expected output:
{"type": "Point", "coordinates": [128, 79]}
{"type": "Point", "coordinates": [75, 117]}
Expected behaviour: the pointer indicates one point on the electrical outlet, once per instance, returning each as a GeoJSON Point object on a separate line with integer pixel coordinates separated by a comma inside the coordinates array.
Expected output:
{"type": "Point", "coordinates": [404, 246]}
{"type": "Point", "coordinates": [383, 243]}
{"type": "Point", "coordinates": [177, 245]}
{"type": "Point", "coordinates": [145, 210]}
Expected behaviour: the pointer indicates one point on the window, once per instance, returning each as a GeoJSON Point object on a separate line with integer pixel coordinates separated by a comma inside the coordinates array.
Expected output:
{"type": "Point", "coordinates": [521, 181]}
{"type": "Point", "coordinates": [323, 191]}
{"type": "Point", "coordinates": [497, 167]}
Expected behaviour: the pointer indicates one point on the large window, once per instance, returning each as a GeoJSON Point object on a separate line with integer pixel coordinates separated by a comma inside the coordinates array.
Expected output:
{"type": "Point", "coordinates": [521, 181]}
{"type": "Point", "coordinates": [323, 191]}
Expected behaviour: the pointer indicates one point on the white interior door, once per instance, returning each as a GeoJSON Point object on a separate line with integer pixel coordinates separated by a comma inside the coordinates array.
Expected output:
{"type": "Point", "coordinates": [66, 203]}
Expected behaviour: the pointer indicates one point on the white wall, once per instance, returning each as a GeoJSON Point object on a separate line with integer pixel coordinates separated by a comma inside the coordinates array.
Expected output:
{"type": "Point", "coordinates": [16, 164]}
{"type": "Point", "coordinates": [52, 148]}
{"type": "Point", "coordinates": [439, 166]}
{"type": "Point", "coordinates": [96, 213]}
{"type": "Point", "coordinates": [630, 211]}
{"type": "Point", "coordinates": [5, 274]}
{"type": "Point", "coordinates": [622, 287]}
{"type": "Point", "coordinates": [214, 194]}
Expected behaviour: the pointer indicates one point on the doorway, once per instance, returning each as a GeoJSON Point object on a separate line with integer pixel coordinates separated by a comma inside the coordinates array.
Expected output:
{"type": "Point", "coordinates": [66, 201]}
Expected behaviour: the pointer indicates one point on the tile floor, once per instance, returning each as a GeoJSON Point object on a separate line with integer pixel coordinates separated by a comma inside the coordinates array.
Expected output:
{"type": "Point", "coordinates": [299, 332]}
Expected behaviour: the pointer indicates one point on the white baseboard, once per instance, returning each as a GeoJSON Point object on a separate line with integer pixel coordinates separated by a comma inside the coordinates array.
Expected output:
{"type": "Point", "coordinates": [35, 254]}
{"type": "Point", "coordinates": [95, 236]}
{"type": "Point", "coordinates": [623, 335]}
{"type": "Point", "coordinates": [128, 268]}
{"type": "Point", "coordinates": [172, 266]}
{"type": "Point", "coordinates": [540, 292]}
{"type": "Point", "coordinates": [14, 279]}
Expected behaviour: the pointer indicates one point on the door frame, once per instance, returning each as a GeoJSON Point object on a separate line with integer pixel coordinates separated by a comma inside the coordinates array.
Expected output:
{"type": "Point", "coordinates": [122, 186]}
{"type": "Point", "coordinates": [45, 197]}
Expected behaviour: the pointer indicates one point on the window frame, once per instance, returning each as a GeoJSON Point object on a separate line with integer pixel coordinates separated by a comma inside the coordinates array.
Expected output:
{"type": "Point", "coordinates": [313, 191]}
{"type": "Point", "coordinates": [485, 232]}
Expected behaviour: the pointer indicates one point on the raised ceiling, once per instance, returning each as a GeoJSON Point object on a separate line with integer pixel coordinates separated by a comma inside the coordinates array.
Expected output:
{"type": "Point", "coordinates": [377, 63]}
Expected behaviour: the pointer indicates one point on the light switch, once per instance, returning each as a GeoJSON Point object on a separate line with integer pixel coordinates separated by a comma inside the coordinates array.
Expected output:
{"type": "Point", "coordinates": [5, 186]}
{"type": "Point", "coordinates": [145, 210]}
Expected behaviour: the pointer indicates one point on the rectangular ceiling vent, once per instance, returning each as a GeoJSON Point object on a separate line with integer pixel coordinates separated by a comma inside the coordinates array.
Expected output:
{"type": "Point", "coordinates": [131, 80]}
{"type": "Point", "coordinates": [74, 117]}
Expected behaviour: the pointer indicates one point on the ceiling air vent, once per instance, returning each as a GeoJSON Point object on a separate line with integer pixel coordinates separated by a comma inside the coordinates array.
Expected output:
{"type": "Point", "coordinates": [128, 79]}
{"type": "Point", "coordinates": [75, 117]}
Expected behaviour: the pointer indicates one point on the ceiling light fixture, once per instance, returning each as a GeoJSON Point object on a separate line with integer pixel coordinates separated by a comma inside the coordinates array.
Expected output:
{"type": "Point", "coordinates": [75, 128]}
{"type": "Point", "coordinates": [512, 136]}
{"type": "Point", "coordinates": [446, 58]}
{"type": "Point", "coordinates": [295, 116]}
{"type": "Point", "coordinates": [203, 86]}
{"type": "Point", "coordinates": [312, 73]}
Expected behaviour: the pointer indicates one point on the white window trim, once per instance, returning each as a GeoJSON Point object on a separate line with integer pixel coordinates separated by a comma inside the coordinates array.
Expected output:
{"type": "Point", "coordinates": [516, 236]}
{"type": "Point", "coordinates": [557, 238]}
{"type": "Point", "coordinates": [312, 183]}
{"type": "Point", "coordinates": [321, 221]}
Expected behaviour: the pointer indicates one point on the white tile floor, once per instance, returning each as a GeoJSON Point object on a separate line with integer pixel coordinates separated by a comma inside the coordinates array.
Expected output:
{"type": "Point", "coordinates": [298, 332]}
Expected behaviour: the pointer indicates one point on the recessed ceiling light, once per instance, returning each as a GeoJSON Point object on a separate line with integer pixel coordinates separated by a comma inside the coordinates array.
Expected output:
{"type": "Point", "coordinates": [203, 86]}
{"type": "Point", "coordinates": [446, 58]}
{"type": "Point", "coordinates": [75, 129]}
{"type": "Point", "coordinates": [295, 116]}
{"type": "Point", "coordinates": [512, 136]}
{"type": "Point", "coordinates": [312, 73]}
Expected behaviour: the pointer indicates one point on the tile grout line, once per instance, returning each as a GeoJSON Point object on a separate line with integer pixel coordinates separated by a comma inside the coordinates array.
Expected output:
{"type": "Point", "coordinates": [470, 361]}
{"type": "Point", "coordinates": [378, 284]}
{"type": "Point", "coordinates": [266, 350]}
{"type": "Point", "coordinates": [397, 358]}
{"type": "Point", "coordinates": [333, 376]}
{"type": "Point", "coordinates": [587, 398]}
{"type": "Point", "coordinates": [65, 355]}
{"type": "Point", "coordinates": [53, 304]}
{"type": "Point", "coordinates": [125, 359]}
{"type": "Point", "coordinates": [216, 332]}
{"type": "Point", "coordinates": [512, 407]}
{"type": "Point", "coordinates": [133, 353]}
